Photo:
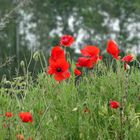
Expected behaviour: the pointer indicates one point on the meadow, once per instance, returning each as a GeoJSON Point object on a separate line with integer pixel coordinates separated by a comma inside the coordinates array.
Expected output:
{"type": "Point", "coordinates": [96, 102]}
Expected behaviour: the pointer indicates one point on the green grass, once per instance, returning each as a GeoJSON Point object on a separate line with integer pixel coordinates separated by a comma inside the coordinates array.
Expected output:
{"type": "Point", "coordinates": [58, 108]}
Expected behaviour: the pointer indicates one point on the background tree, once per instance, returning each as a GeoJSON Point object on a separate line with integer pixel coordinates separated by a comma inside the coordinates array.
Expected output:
{"type": "Point", "coordinates": [32, 25]}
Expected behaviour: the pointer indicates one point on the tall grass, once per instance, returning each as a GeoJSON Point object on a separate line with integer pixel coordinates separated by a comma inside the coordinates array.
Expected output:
{"type": "Point", "coordinates": [65, 111]}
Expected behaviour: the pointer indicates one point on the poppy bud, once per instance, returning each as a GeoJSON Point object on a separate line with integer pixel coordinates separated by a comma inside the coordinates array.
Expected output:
{"type": "Point", "coordinates": [113, 104]}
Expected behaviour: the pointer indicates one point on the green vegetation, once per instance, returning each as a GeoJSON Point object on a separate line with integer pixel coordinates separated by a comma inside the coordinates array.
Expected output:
{"type": "Point", "coordinates": [67, 111]}
{"type": "Point", "coordinates": [72, 107]}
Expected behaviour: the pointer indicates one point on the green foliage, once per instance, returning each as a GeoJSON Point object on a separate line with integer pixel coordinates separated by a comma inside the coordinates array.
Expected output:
{"type": "Point", "coordinates": [58, 109]}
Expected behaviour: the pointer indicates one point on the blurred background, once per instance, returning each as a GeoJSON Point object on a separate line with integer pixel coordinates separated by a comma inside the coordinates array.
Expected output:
{"type": "Point", "coordinates": [27, 26]}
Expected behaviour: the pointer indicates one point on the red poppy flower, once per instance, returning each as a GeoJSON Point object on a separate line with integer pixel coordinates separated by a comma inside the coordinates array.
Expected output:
{"type": "Point", "coordinates": [100, 57]}
{"type": "Point", "coordinates": [30, 139]}
{"type": "Point", "coordinates": [25, 117]}
{"type": "Point", "coordinates": [84, 62]}
{"type": "Point", "coordinates": [90, 51]}
{"type": "Point", "coordinates": [66, 40]}
{"type": "Point", "coordinates": [59, 69]}
{"type": "Point", "coordinates": [77, 72]}
{"type": "Point", "coordinates": [8, 114]}
{"type": "Point", "coordinates": [56, 53]}
{"type": "Point", "coordinates": [94, 59]}
{"type": "Point", "coordinates": [127, 58]}
{"type": "Point", "coordinates": [113, 104]}
{"type": "Point", "coordinates": [112, 49]}
{"type": "Point", "coordinates": [19, 137]}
